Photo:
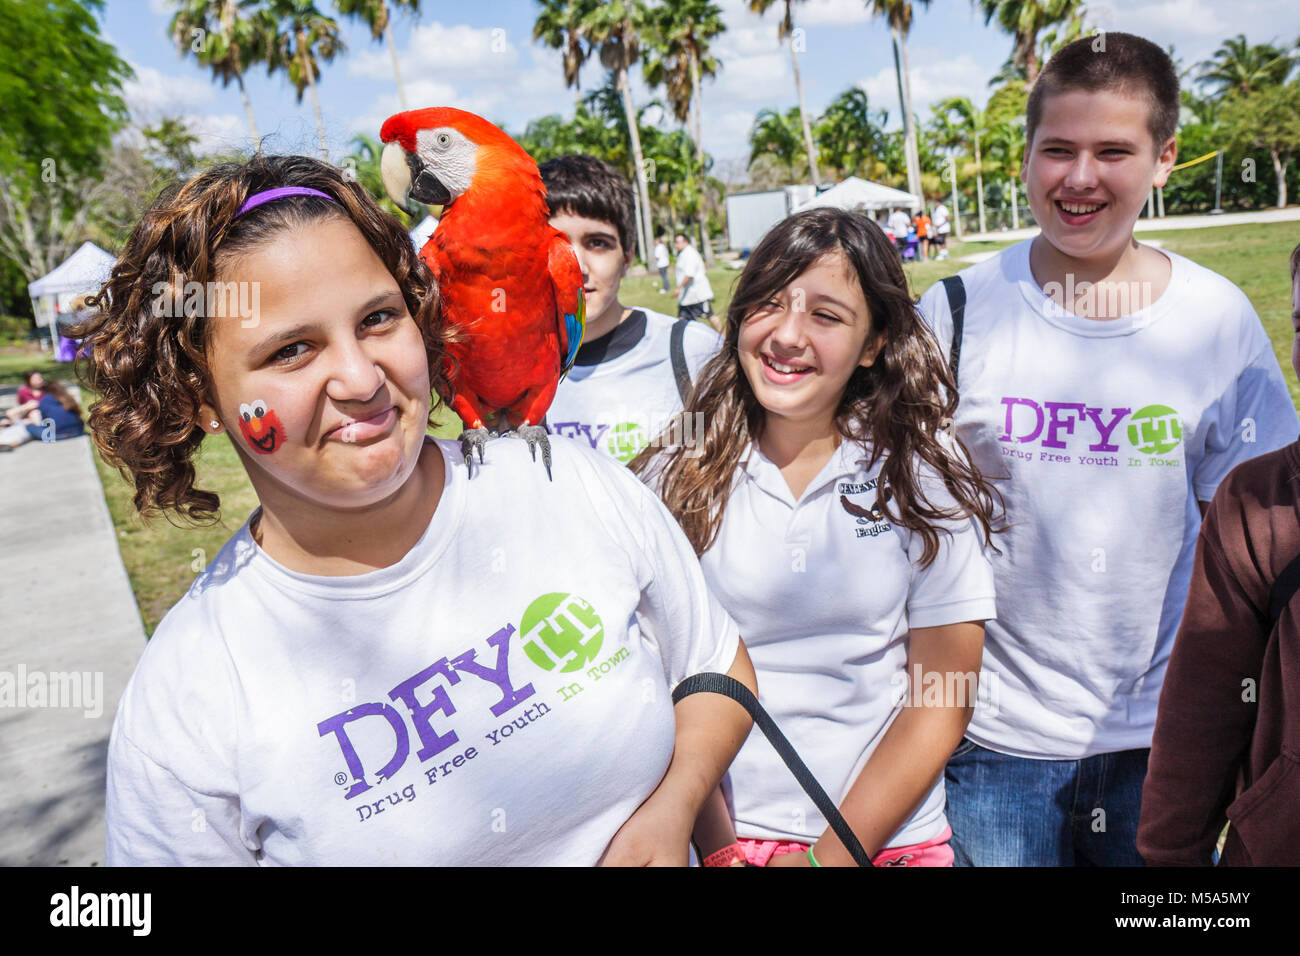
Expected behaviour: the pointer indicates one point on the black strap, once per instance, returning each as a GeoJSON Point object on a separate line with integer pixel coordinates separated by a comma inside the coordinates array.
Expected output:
{"type": "Point", "coordinates": [677, 352]}
{"type": "Point", "coordinates": [711, 683]}
{"type": "Point", "coordinates": [956, 290]}
{"type": "Point", "coordinates": [1284, 588]}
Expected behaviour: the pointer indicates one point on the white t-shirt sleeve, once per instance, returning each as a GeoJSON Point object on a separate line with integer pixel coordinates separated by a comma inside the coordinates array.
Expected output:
{"type": "Point", "coordinates": [155, 819]}
{"type": "Point", "coordinates": [693, 631]}
{"type": "Point", "coordinates": [1255, 415]}
{"type": "Point", "coordinates": [958, 584]}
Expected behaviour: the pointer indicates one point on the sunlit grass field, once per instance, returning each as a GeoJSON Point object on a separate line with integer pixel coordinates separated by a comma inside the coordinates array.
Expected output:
{"type": "Point", "coordinates": [162, 559]}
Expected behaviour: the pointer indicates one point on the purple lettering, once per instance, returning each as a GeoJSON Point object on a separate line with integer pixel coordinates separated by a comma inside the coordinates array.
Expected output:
{"type": "Point", "coordinates": [600, 430]}
{"type": "Point", "coordinates": [1054, 409]}
{"type": "Point", "coordinates": [1009, 431]}
{"type": "Point", "coordinates": [1105, 430]}
{"type": "Point", "coordinates": [433, 742]}
{"type": "Point", "coordinates": [499, 674]}
{"type": "Point", "coordinates": [335, 725]}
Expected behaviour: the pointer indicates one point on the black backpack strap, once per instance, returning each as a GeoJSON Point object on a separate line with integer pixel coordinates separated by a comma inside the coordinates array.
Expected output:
{"type": "Point", "coordinates": [677, 351]}
{"type": "Point", "coordinates": [711, 683]}
{"type": "Point", "coordinates": [1284, 588]}
{"type": "Point", "coordinates": [956, 290]}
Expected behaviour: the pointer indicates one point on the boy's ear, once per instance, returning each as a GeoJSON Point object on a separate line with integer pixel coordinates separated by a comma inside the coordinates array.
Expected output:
{"type": "Point", "coordinates": [1165, 161]}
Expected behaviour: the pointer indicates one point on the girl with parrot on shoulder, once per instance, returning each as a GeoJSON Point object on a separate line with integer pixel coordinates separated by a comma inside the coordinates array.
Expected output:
{"type": "Point", "coordinates": [387, 663]}
{"type": "Point", "coordinates": [841, 527]}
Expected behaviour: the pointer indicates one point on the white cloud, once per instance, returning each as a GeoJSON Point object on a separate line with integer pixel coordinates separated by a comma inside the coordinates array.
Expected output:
{"type": "Point", "coordinates": [936, 78]}
{"type": "Point", "coordinates": [1168, 19]}
{"type": "Point", "coordinates": [835, 13]}
{"type": "Point", "coordinates": [152, 91]}
{"type": "Point", "coordinates": [442, 52]}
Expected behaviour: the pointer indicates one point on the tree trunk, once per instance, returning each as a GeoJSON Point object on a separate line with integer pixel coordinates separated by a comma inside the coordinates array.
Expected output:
{"type": "Point", "coordinates": [979, 182]}
{"type": "Point", "coordinates": [803, 117]}
{"type": "Point", "coordinates": [1279, 168]}
{"type": "Point", "coordinates": [248, 108]}
{"type": "Point", "coordinates": [1015, 208]}
{"type": "Point", "coordinates": [315, 99]}
{"type": "Point", "coordinates": [1031, 65]}
{"type": "Point", "coordinates": [706, 246]}
{"type": "Point", "coordinates": [647, 224]}
{"type": "Point", "coordinates": [903, 75]}
{"type": "Point", "coordinates": [392, 50]}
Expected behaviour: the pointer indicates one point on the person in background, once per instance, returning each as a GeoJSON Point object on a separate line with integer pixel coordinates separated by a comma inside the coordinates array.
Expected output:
{"type": "Point", "coordinates": [694, 294]}
{"type": "Point", "coordinates": [661, 262]}
{"type": "Point", "coordinates": [899, 224]}
{"type": "Point", "coordinates": [54, 417]}
{"type": "Point", "coordinates": [942, 226]}
{"type": "Point", "coordinates": [923, 230]}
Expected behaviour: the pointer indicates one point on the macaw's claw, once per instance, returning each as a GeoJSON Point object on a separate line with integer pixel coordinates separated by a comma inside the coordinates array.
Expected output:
{"type": "Point", "coordinates": [536, 435]}
{"type": "Point", "coordinates": [470, 439]}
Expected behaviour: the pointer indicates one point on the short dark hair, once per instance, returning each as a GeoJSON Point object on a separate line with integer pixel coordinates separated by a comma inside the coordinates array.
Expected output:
{"type": "Point", "coordinates": [1120, 62]}
{"type": "Point", "coordinates": [682, 236]}
{"type": "Point", "coordinates": [1295, 262]}
{"type": "Point", "coordinates": [585, 186]}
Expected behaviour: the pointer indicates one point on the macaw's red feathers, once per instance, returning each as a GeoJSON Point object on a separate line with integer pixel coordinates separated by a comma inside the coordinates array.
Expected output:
{"type": "Point", "coordinates": [510, 283]}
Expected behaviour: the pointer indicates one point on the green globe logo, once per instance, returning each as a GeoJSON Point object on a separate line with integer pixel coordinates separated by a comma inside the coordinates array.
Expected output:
{"type": "Point", "coordinates": [1155, 430]}
{"type": "Point", "coordinates": [561, 631]}
{"type": "Point", "coordinates": [626, 441]}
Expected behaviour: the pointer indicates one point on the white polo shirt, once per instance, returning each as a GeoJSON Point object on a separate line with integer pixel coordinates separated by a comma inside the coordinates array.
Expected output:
{"type": "Point", "coordinates": [824, 598]}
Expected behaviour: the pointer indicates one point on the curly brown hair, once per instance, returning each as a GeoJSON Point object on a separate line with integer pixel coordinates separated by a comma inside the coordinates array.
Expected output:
{"type": "Point", "coordinates": [896, 407]}
{"type": "Point", "coordinates": [149, 366]}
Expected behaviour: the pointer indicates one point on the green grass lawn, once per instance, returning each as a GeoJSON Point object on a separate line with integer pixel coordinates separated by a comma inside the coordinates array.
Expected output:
{"type": "Point", "coordinates": [162, 559]}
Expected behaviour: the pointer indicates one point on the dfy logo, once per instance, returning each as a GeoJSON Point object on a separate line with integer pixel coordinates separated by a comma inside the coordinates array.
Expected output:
{"type": "Point", "coordinates": [1152, 430]}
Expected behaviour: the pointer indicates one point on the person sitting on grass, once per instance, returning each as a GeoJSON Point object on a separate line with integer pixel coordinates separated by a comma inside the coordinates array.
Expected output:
{"type": "Point", "coordinates": [53, 417]}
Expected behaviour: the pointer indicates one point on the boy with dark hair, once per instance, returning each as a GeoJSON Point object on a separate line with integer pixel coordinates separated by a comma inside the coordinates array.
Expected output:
{"type": "Point", "coordinates": [1108, 387]}
{"type": "Point", "coordinates": [635, 366]}
{"type": "Point", "coordinates": [1228, 732]}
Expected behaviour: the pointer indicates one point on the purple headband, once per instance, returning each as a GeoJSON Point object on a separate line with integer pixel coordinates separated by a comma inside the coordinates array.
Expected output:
{"type": "Point", "coordinates": [270, 195]}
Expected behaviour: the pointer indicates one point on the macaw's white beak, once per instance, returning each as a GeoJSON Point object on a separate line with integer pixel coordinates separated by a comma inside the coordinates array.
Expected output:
{"type": "Point", "coordinates": [395, 173]}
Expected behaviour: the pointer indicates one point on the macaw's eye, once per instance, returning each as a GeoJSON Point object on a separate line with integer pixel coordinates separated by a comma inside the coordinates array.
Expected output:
{"type": "Point", "coordinates": [443, 140]}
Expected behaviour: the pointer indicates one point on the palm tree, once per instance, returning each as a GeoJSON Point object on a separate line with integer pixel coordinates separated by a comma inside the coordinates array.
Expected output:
{"type": "Point", "coordinates": [222, 41]}
{"type": "Point", "coordinates": [851, 134]}
{"type": "Point", "coordinates": [679, 59]}
{"type": "Point", "coordinates": [375, 13]}
{"type": "Point", "coordinates": [301, 38]}
{"type": "Point", "coordinates": [1237, 66]}
{"type": "Point", "coordinates": [777, 135]}
{"type": "Point", "coordinates": [899, 15]}
{"type": "Point", "coordinates": [1005, 140]}
{"type": "Point", "coordinates": [614, 28]}
{"type": "Point", "coordinates": [957, 123]}
{"type": "Point", "coordinates": [560, 27]}
{"type": "Point", "coordinates": [1024, 20]}
{"type": "Point", "coordinates": [784, 30]}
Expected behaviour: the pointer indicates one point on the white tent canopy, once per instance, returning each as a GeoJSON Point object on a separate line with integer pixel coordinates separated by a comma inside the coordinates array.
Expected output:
{"type": "Point", "coordinates": [84, 271]}
{"type": "Point", "coordinates": [859, 194]}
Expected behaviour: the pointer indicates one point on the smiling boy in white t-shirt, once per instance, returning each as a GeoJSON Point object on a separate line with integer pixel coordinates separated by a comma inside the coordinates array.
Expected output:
{"type": "Point", "coordinates": [1107, 387]}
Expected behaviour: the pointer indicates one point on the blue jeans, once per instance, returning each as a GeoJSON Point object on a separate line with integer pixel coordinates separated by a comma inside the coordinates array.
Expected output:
{"type": "Point", "coordinates": [1013, 811]}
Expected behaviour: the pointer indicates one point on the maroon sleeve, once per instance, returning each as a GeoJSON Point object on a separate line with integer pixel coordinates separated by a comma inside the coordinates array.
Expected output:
{"type": "Point", "coordinates": [1203, 726]}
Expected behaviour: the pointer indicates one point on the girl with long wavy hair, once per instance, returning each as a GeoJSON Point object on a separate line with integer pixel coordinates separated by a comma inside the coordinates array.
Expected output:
{"type": "Point", "coordinates": [385, 663]}
{"type": "Point", "coordinates": [843, 529]}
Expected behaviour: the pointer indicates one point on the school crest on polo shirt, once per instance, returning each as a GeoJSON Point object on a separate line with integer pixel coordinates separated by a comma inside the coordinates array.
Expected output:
{"type": "Point", "coordinates": [867, 512]}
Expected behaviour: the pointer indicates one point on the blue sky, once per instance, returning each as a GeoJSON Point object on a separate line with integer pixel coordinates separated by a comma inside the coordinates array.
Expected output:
{"type": "Point", "coordinates": [480, 56]}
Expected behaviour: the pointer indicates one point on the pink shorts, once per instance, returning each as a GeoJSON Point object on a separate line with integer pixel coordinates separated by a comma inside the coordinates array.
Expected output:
{"type": "Point", "coordinates": [934, 852]}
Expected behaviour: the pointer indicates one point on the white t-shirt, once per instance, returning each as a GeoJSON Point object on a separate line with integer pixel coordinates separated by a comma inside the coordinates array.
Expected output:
{"type": "Point", "coordinates": [940, 219]}
{"type": "Point", "coordinates": [690, 265]}
{"type": "Point", "coordinates": [621, 392]}
{"type": "Point", "coordinates": [899, 222]}
{"type": "Point", "coordinates": [825, 598]}
{"type": "Point", "coordinates": [661, 256]}
{"type": "Point", "coordinates": [1103, 436]}
{"type": "Point", "coordinates": [501, 695]}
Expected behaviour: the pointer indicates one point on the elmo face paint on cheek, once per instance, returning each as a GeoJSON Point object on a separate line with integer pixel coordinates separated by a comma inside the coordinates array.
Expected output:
{"type": "Point", "coordinates": [261, 427]}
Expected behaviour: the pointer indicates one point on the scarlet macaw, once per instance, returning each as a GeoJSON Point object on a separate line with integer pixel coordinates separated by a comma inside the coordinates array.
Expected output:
{"type": "Point", "coordinates": [510, 283]}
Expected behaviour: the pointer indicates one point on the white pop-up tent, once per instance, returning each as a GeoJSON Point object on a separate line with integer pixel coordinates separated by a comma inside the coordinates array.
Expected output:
{"type": "Point", "coordinates": [860, 195]}
{"type": "Point", "coordinates": [82, 272]}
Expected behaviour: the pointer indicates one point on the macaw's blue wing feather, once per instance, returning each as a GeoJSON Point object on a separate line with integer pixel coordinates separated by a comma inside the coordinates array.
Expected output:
{"type": "Point", "coordinates": [575, 325]}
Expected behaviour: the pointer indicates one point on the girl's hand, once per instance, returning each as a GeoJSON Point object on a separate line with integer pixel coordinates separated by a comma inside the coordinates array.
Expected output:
{"type": "Point", "coordinates": [658, 834]}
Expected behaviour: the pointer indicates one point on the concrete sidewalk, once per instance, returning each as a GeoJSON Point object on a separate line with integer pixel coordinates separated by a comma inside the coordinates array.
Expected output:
{"type": "Point", "coordinates": [70, 636]}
